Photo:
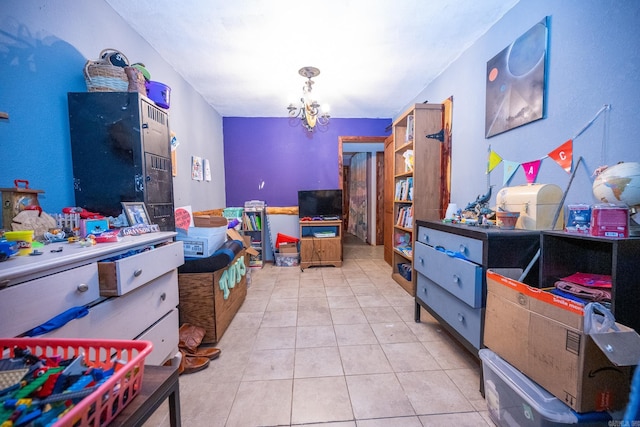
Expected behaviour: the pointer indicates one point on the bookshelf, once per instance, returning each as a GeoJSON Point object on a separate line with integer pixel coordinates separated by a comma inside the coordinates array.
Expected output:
{"type": "Point", "coordinates": [253, 226]}
{"type": "Point", "coordinates": [414, 182]}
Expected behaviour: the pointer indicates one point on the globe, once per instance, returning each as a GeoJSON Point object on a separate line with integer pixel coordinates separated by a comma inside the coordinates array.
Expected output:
{"type": "Point", "coordinates": [619, 183]}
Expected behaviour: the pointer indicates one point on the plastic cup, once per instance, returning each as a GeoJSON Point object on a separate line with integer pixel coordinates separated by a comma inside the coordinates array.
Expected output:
{"type": "Point", "coordinates": [24, 239]}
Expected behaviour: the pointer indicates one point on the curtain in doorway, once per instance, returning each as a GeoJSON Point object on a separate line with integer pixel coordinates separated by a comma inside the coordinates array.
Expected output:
{"type": "Point", "coordinates": [358, 197]}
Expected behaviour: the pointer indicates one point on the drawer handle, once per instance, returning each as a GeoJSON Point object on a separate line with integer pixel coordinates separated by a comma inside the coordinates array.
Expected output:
{"type": "Point", "coordinates": [421, 260]}
{"type": "Point", "coordinates": [425, 238]}
{"type": "Point", "coordinates": [456, 279]}
{"type": "Point", "coordinates": [137, 273]}
{"type": "Point", "coordinates": [163, 296]}
{"type": "Point", "coordinates": [460, 318]}
{"type": "Point", "coordinates": [83, 287]}
{"type": "Point", "coordinates": [464, 250]}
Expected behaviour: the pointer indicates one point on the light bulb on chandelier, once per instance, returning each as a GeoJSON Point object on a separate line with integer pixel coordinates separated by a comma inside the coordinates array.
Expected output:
{"type": "Point", "coordinates": [309, 112]}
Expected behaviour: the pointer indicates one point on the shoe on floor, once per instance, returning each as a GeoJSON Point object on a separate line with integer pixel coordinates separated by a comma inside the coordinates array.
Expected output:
{"type": "Point", "coordinates": [209, 352]}
{"type": "Point", "coordinates": [191, 364]}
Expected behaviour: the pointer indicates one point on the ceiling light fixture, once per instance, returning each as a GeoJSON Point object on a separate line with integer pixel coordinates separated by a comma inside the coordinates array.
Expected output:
{"type": "Point", "coordinates": [310, 111]}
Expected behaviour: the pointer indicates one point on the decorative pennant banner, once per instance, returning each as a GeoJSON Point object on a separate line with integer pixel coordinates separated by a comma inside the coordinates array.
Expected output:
{"type": "Point", "coordinates": [563, 155]}
{"type": "Point", "coordinates": [531, 170]}
{"type": "Point", "coordinates": [510, 168]}
{"type": "Point", "coordinates": [494, 160]}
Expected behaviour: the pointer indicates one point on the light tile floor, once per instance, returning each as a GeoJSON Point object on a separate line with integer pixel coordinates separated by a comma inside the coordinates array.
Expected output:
{"type": "Point", "coordinates": [333, 347]}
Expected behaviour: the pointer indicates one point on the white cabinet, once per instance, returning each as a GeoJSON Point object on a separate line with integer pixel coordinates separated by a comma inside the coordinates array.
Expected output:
{"type": "Point", "coordinates": [143, 282]}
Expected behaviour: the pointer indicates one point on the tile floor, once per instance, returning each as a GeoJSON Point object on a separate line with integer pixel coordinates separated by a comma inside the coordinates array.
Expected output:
{"type": "Point", "coordinates": [333, 347]}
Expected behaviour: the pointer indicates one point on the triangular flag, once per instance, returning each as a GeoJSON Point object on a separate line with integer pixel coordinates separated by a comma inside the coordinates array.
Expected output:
{"type": "Point", "coordinates": [510, 167]}
{"type": "Point", "coordinates": [531, 170]}
{"type": "Point", "coordinates": [563, 155]}
{"type": "Point", "coordinates": [494, 160]}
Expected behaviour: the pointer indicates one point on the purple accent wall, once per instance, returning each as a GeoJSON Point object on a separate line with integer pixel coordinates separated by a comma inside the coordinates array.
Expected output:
{"type": "Point", "coordinates": [271, 159]}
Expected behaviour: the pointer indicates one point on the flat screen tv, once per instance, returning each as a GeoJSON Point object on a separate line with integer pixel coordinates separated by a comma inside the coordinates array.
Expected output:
{"type": "Point", "coordinates": [320, 204]}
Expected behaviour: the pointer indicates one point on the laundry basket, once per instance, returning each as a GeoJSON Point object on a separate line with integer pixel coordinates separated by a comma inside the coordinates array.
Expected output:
{"type": "Point", "coordinates": [110, 397]}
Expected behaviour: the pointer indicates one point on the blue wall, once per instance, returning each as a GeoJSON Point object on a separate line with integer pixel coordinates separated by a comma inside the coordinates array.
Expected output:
{"type": "Point", "coordinates": [594, 59]}
{"type": "Point", "coordinates": [271, 159]}
{"type": "Point", "coordinates": [44, 45]}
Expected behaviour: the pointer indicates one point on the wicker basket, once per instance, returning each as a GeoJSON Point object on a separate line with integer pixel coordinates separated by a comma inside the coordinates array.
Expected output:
{"type": "Point", "coordinates": [136, 80]}
{"type": "Point", "coordinates": [102, 76]}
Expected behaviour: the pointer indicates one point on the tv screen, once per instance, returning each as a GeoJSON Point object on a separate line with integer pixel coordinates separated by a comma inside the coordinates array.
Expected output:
{"type": "Point", "coordinates": [320, 203]}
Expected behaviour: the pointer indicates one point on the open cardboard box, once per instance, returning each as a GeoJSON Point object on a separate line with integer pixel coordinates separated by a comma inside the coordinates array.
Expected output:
{"type": "Point", "coordinates": [543, 336]}
{"type": "Point", "coordinates": [288, 248]}
{"type": "Point", "coordinates": [246, 240]}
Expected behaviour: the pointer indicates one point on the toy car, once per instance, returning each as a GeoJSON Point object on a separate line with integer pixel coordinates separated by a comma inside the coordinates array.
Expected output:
{"type": "Point", "coordinates": [7, 249]}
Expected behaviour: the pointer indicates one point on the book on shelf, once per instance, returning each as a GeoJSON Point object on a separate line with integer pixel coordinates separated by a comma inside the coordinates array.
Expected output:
{"type": "Point", "coordinates": [409, 133]}
{"type": "Point", "coordinates": [404, 189]}
{"type": "Point", "coordinates": [405, 217]}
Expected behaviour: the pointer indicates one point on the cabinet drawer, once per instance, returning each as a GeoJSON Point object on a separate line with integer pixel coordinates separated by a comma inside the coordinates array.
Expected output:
{"type": "Point", "coordinates": [29, 304]}
{"type": "Point", "coordinates": [127, 316]}
{"type": "Point", "coordinates": [470, 248]}
{"type": "Point", "coordinates": [461, 278]}
{"type": "Point", "coordinates": [126, 274]}
{"type": "Point", "coordinates": [464, 319]}
{"type": "Point", "coordinates": [164, 336]}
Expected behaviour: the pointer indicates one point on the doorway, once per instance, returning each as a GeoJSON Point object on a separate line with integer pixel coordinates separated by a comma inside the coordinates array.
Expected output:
{"type": "Point", "coordinates": [372, 147]}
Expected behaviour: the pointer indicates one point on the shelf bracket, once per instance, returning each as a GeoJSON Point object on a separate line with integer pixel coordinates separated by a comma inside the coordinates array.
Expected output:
{"type": "Point", "coordinates": [439, 136]}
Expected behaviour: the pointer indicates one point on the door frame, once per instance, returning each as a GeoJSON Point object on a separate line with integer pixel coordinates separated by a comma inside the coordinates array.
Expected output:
{"type": "Point", "coordinates": [362, 140]}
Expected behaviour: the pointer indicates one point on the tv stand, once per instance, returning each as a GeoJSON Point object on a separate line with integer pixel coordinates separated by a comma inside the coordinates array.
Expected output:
{"type": "Point", "coordinates": [320, 251]}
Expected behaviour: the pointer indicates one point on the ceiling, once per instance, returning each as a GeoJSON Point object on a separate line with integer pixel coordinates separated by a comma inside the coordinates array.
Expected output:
{"type": "Point", "coordinates": [375, 56]}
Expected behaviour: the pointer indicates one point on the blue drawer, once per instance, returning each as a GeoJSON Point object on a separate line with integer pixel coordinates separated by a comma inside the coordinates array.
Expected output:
{"type": "Point", "coordinates": [463, 318]}
{"type": "Point", "coordinates": [463, 279]}
{"type": "Point", "coordinates": [470, 248]}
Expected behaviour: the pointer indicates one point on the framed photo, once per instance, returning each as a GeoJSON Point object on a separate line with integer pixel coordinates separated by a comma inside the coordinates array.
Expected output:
{"type": "Point", "coordinates": [136, 213]}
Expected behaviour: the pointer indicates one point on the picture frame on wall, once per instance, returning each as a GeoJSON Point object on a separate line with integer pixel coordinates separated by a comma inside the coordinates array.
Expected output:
{"type": "Point", "coordinates": [516, 81]}
{"type": "Point", "coordinates": [136, 213]}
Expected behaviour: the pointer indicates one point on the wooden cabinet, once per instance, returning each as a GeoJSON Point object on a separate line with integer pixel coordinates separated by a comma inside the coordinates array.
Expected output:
{"type": "Point", "coordinates": [416, 182]}
{"type": "Point", "coordinates": [36, 289]}
{"type": "Point", "coordinates": [450, 267]}
{"type": "Point", "coordinates": [320, 243]}
{"type": "Point", "coordinates": [563, 254]}
{"type": "Point", "coordinates": [128, 136]}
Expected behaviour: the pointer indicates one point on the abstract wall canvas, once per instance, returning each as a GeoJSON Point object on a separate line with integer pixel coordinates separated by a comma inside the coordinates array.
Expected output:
{"type": "Point", "coordinates": [516, 82]}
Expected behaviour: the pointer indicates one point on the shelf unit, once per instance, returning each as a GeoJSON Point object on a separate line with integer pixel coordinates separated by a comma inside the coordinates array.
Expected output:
{"type": "Point", "coordinates": [415, 178]}
{"type": "Point", "coordinates": [253, 226]}
{"type": "Point", "coordinates": [316, 251]}
{"type": "Point", "coordinates": [563, 254]}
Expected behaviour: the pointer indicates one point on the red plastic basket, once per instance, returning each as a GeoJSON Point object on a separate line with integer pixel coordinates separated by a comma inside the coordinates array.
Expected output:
{"type": "Point", "coordinates": [109, 399]}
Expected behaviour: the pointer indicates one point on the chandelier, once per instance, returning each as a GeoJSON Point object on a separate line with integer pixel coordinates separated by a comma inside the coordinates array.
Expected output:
{"type": "Point", "coordinates": [309, 112]}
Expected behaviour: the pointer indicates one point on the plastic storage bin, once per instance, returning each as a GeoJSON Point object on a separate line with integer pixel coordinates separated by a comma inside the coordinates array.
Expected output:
{"type": "Point", "coordinates": [101, 406]}
{"type": "Point", "coordinates": [290, 259]}
{"type": "Point", "coordinates": [515, 400]}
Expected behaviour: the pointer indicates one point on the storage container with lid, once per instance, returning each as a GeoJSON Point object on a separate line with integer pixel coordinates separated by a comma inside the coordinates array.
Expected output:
{"type": "Point", "coordinates": [536, 203]}
{"type": "Point", "coordinates": [515, 400]}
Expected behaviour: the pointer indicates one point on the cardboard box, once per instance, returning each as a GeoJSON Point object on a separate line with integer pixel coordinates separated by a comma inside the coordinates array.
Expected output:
{"type": "Point", "coordinates": [209, 221]}
{"type": "Point", "coordinates": [536, 203]}
{"type": "Point", "coordinates": [543, 336]}
{"type": "Point", "coordinates": [234, 235]}
{"type": "Point", "coordinates": [288, 248]}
